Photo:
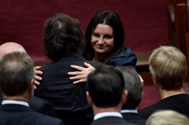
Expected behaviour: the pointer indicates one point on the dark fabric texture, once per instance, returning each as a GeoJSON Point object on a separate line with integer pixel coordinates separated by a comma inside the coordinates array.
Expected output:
{"type": "Point", "coordinates": [177, 103]}
{"type": "Point", "coordinates": [42, 106]}
{"type": "Point", "coordinates": [134, 118]}
{"type": "Point", "coordinates": [110, 121]}
{"type": "Point", "coordinates": [68, 99]}
{"type": "Point", "coordinates": [12, 114]}
{"type": "Point", "coordinates": [125, 58]}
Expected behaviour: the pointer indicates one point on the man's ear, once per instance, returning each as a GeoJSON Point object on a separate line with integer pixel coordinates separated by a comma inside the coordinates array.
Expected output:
{"type": "Point", "coordinates": [124, 96]}
{"type": "Point", "coordinates": [31, 87]}
{"type": "Point", "coordinates": [89, 100]}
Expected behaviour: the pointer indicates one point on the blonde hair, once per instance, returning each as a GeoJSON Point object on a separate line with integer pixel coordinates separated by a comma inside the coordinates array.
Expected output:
{"type": "Point", "coordinates": [168, 65]}
{"type": "Point", "coordinates": [167, 117]}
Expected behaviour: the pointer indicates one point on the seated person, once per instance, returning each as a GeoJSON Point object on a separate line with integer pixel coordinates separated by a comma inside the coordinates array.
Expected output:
{"type": "Point", "coordinates": [17, 86]}
{"type": "Point", "coordinates": [133, 85]}
{"type": "Point", "coordinates": [63, 41]}
{"type": "Point", "coordinates": [167, 117]}
{"type": "Point", "coordinates": [168, 68]}
{"type": "Point", "coordinates": [106, 94]}
{"type": "Point", "coordinates": [35, 103]}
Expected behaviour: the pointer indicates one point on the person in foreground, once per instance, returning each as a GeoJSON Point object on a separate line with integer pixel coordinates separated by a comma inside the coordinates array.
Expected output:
{"type": "Point", "coordinates": [167, 117]}
{"type": "Point", "coordinates": [63, 41]}
{"type": "Point", "coordinates": [168, 68]}
{"type": "Point", "coordinates": [37, 104]}
{"type": "Point", "coordinates": [133, 85]}
{"type": "Point", "coordinates": [17, 85]}
{"type": "Point", "coordinates": [106, 94]}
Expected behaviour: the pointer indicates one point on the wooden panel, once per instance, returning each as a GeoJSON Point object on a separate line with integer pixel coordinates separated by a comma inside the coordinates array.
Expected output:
{"type": "Point", "coordinates": [142, 61]}
{"type": "Point", "coordinates": [147, 77]}
{"type": "Point", "coordinates": [187, 13]}
{"type": "Point", "coordinates": [187, 55]}
{"type": "Point", "coordinates": [180, 24]}
{"type": "Point", "coordinates": [171, 23]}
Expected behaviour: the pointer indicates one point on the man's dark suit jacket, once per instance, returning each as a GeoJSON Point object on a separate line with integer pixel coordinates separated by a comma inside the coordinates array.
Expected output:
{"type": "Point", "coordinates": [110, 120]}
{"type": "Point", "coordinates": [134, 118]}
{"type": "Point", "coordinates": [68, 99]}
{"type": "Point", "coordinates": [177, 103]}
{"type": "Point", "coordinates": [13, 114]}
{"type": "Point", "coordinates": [39, 105]}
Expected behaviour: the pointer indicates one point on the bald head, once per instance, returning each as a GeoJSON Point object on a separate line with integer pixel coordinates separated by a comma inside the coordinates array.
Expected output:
{"type": "Point", "coordinates": [10, 47]}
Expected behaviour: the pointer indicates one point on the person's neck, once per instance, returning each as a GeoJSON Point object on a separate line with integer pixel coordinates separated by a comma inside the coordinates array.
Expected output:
{"type": "Point", "coordinates": [16, 98]}
{"type": "Point", "coordinates": [98, 56]}
{"type": "Point", "coordinates": [168, 93]}
{"type": "Point", "coordinates": [97, 110]}
{"type": "Point", "coordinates": [123, 108]}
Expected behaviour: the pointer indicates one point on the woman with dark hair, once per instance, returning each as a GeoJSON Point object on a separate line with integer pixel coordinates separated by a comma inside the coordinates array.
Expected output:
{"type": "Point", "coordinates": [105, 43]}
{"type": "Point", "coordinates": [63, 40]}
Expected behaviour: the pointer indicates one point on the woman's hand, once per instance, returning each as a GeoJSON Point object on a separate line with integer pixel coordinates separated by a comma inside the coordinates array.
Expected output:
{"type": "Point", "coordinates": [37, 77]}
{"type": "Point", "coordinates": [81, 75]}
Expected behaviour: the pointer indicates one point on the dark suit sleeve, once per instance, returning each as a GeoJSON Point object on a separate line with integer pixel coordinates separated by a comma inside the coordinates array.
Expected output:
{"type": "Point", "coordinates": [42, 106]}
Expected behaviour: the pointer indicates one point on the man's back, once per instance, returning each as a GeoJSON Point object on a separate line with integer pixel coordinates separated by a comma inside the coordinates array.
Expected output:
{"type": "Point", "coordinates": [68, 99]}
{"type": "Point", "coordinates": [134, 118]}
{"type": "Point", "coordinates": [13, 114]}
{"type": "Point", "coordinates": [110, 121]}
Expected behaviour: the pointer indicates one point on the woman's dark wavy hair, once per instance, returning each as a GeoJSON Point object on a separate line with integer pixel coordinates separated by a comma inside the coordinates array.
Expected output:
{"type": "Point", "coordinates": [109, 18]}
{"type": "Point", "coordinates": [63, 34]}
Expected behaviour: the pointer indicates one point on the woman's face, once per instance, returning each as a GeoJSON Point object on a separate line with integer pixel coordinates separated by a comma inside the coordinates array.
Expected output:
{"type": "Point", "coordinates": [102, 39]}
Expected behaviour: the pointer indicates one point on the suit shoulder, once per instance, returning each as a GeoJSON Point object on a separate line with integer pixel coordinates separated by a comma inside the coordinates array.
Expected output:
{"type": "Point", "coordinates": [48, 120]}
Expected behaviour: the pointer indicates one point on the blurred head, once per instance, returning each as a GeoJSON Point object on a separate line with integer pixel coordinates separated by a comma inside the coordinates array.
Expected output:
{"type": "Point", "coordinates": [167, 117]}
{"type": "Point", "coordinates": [10, 47]}
{"type": "Point", "coordinates": [63, 34]}
{"type": "Point", "coordinates": [16, 73]}
{"type": "Point", "coordinates": [104, 27]}
{"type": "Point", "coordinates": [168, 67]}
{"type": "Point", "coordinates": [133, 86]}
{"type": "Point", "coordinates": [105, 86]}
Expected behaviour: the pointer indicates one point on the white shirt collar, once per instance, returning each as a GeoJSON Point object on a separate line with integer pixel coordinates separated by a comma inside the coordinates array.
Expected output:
{"type": "Point", "coordinates": [105, 114]}
{"type": "Point", "coordinates": [128, 111]}
{"type": "Point", "coordinates": [15, 102]}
